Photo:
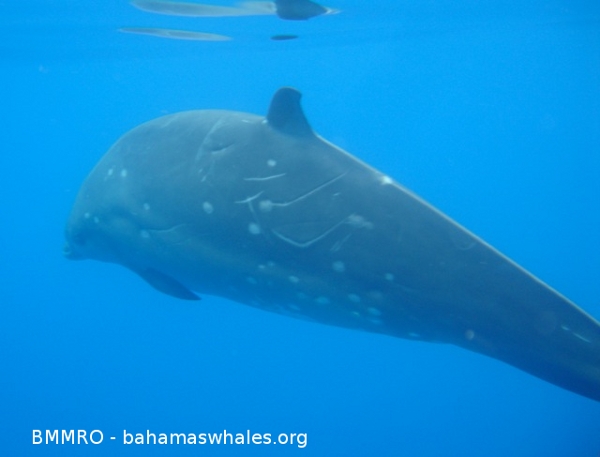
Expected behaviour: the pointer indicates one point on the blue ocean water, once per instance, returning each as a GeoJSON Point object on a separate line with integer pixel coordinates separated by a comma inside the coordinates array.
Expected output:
{"type": "Point", "coordinates": [490, 111]}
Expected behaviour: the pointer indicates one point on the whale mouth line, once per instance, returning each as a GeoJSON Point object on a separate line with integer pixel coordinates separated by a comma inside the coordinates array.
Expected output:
{"type": "Point", "coordinates": [69, 253]}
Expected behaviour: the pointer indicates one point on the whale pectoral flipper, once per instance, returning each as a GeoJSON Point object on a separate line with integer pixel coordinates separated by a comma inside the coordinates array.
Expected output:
{"type": "Point", "coordinates": [166, 284]}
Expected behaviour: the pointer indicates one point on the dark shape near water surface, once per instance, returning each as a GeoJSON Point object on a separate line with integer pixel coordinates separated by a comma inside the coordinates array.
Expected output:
{"type": "Point", "coordinates": [285, 9]}
{"type": "Point", "coordinates": [296, 10]}
{"type": "Point", "coordinates": [265, 212]}
{"type": "Point", "coordinates": [284, 37]}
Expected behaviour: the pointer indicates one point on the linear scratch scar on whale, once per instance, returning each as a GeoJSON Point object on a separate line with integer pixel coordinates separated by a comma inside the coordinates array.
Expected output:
{"type": "Point", "coordinates": [263, 211]}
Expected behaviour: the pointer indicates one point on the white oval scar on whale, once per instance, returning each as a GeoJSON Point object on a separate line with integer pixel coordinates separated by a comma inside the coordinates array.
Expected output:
{"type": "Point", "coordinates": [271, 163]}
{"type": "Point", "coordinates": [124, 173]}
{"type": "Point", "coordinates": [207, 207]}
{"type": "Point", "coordinates": [354, 298]}
{"type": "Point", "coordinates": [265, 205]}
{"type": "Point", "coordinates": [338, 266]}
{"type": "Point", "coordinates": [323, 300]}
{"type": "Point", "coordinates": [254, 228]}
{"type": "Point", "coordinates": [294, 279]}
{"type": "Point", "coordinates": [374, 311]}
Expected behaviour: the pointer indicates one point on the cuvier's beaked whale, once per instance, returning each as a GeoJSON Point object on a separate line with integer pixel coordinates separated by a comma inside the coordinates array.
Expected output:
{"type": "Point", "coordinates": [265, 212]}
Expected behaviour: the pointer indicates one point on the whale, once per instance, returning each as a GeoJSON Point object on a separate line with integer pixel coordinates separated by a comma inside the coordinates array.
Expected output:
{"type": "Point", "coordinates": [263, 211]}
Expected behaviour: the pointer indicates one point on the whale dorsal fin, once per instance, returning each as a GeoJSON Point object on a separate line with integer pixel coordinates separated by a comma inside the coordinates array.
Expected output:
{"type": "Point", "coordinates": [286, 115]}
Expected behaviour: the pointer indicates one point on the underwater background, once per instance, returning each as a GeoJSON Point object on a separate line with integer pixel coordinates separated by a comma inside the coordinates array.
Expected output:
{"type": "Point", "coordinates": [490, 111]}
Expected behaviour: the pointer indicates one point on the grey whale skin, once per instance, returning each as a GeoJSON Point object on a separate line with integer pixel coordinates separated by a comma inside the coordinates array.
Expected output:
{"type": "Point", "coordinates": [265, 212]}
